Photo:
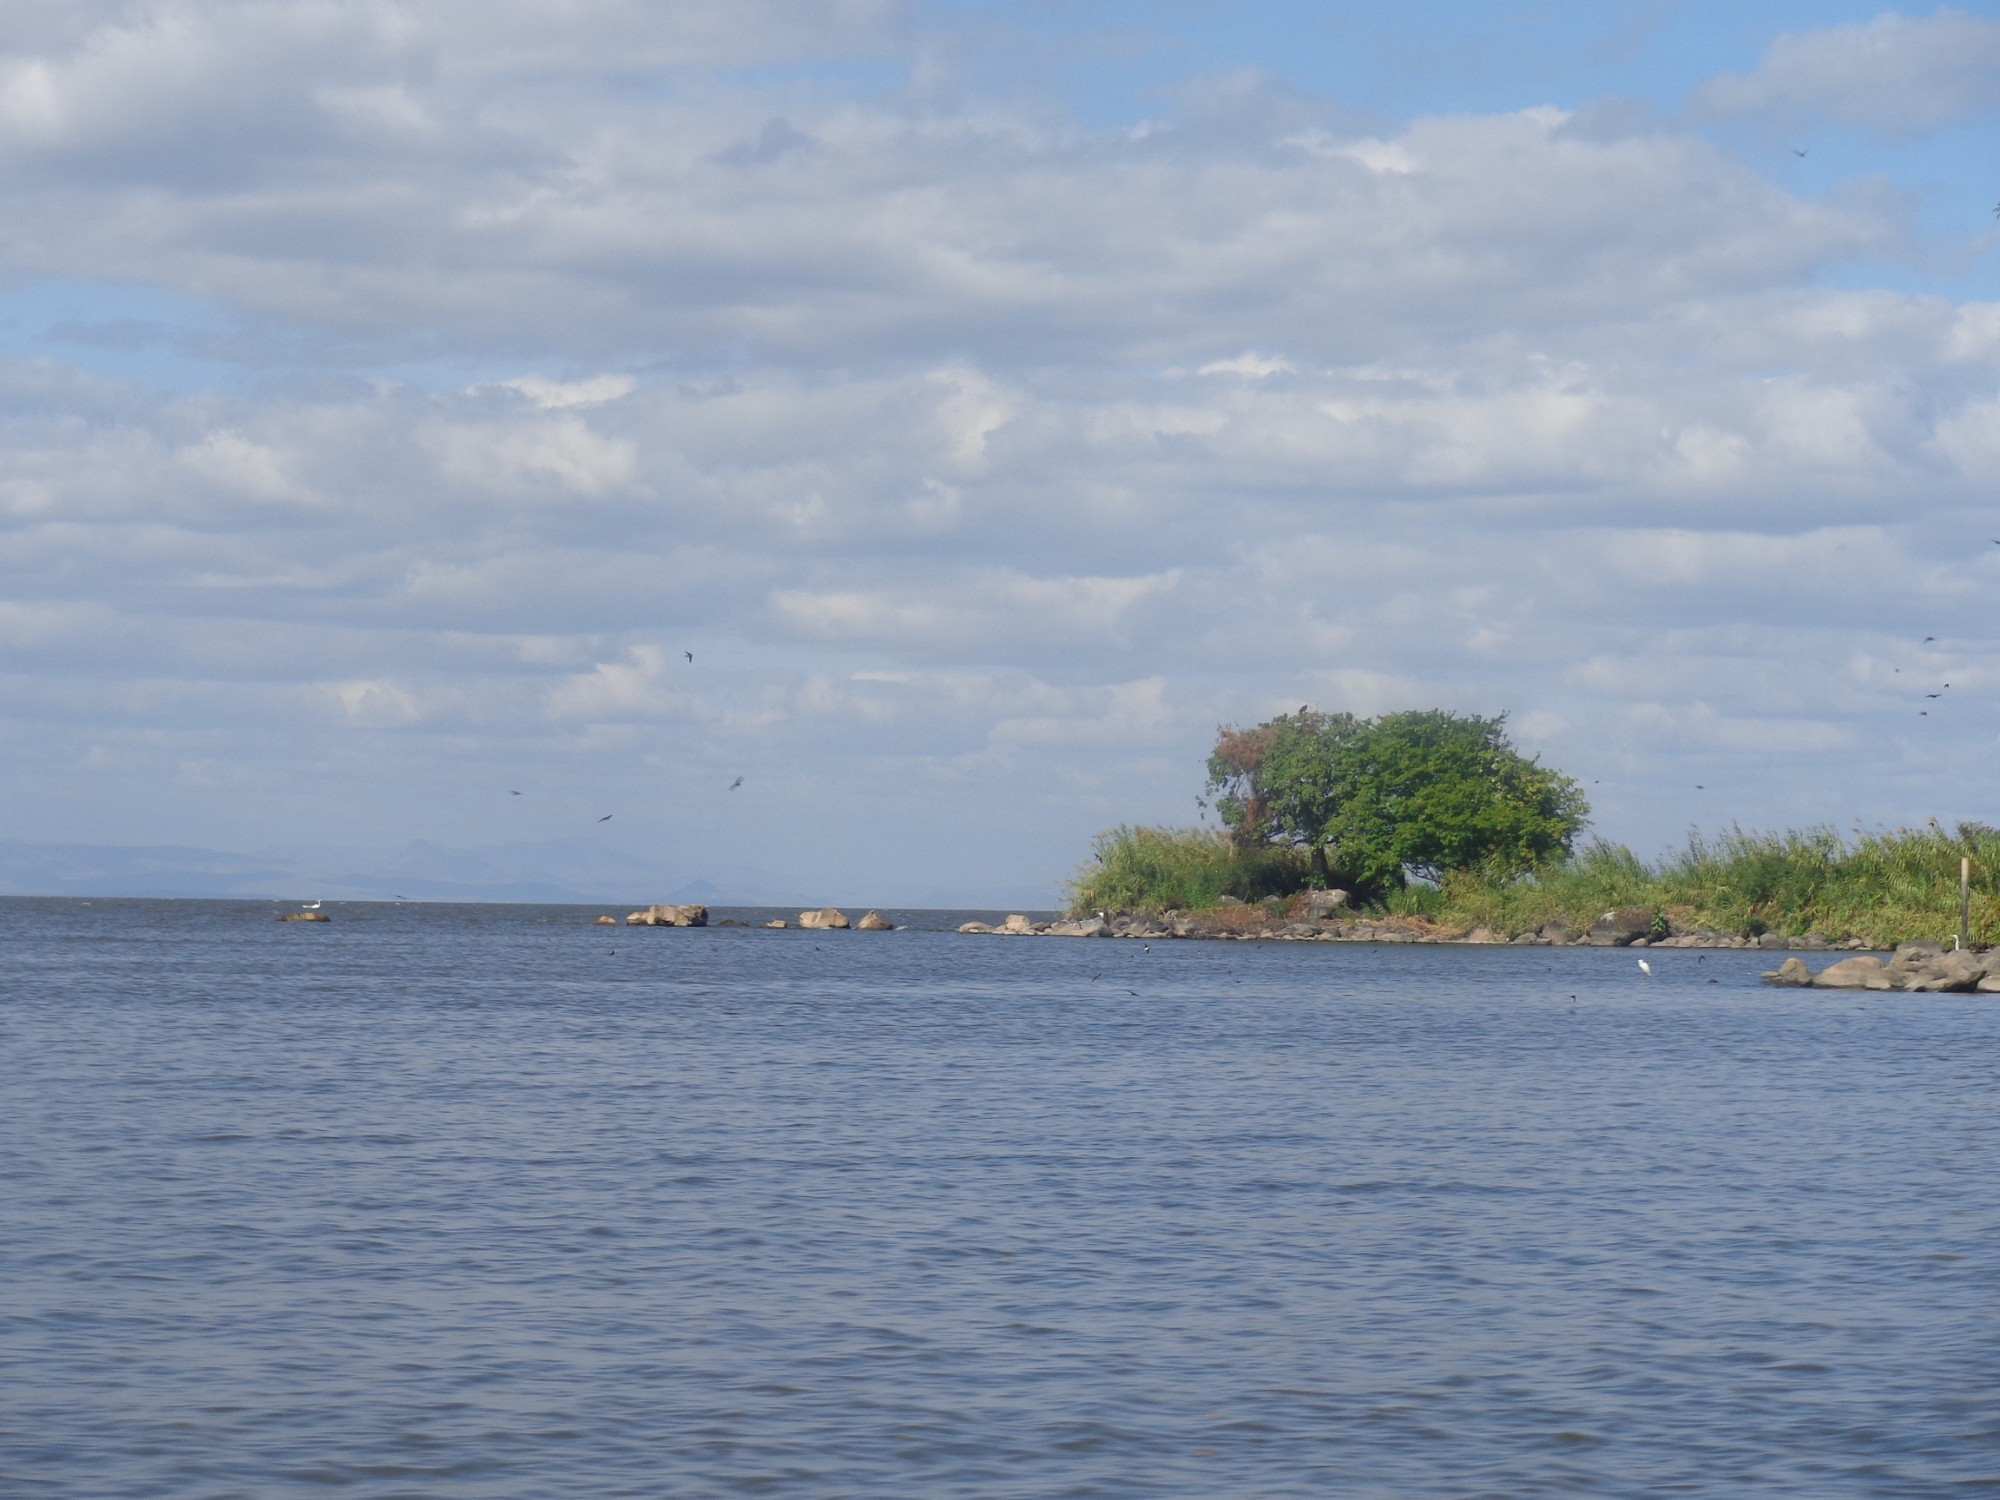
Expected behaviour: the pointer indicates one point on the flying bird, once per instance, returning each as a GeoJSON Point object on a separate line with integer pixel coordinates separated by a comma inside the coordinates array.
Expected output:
{"type": "Point", "coordinates": [736, 783]}
{"type": "Point", "coordinates": [1930, 638]}
{"type": "Point", "coordinates": [605, 819]}
{"type": "Point", "coordinates": [1933, 695]}
{"type": "Point", "coordinates": [512, 793]}
{"type": "Point", "coordinates": [688, 654]}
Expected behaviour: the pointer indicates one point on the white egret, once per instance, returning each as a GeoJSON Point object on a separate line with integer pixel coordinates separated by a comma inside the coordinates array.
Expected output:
{"type": "Point", "coordinates": [1646, 967]}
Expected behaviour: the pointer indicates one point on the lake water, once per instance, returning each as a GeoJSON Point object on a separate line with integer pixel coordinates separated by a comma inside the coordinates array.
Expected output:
{"type": "Point", "coordinates": [452, 1201]}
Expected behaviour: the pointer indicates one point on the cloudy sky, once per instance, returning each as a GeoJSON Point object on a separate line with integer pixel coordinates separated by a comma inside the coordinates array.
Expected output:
{"type": "Point", "coordinates": [994, 396]}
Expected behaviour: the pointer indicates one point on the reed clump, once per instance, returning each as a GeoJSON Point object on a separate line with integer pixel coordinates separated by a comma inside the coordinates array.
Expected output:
{"type": "Point", "coordinates": [1179, 869]}
{"type": "Point", "coordinates": [1885, 885]}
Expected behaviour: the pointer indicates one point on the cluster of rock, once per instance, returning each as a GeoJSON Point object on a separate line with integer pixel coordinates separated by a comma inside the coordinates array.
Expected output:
{"type": "Point", "coordinates": [1636, 927]}
{"type": "Point", "coordinates": [669, 916]}
{"type": "Point", "coordinates": [1917, 968]}
{"type": "Point", "coordinates": [827, 918]}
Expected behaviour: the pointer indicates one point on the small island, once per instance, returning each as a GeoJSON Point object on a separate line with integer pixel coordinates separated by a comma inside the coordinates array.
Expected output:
{"type": "Point", "coordinates": [1430, 826]}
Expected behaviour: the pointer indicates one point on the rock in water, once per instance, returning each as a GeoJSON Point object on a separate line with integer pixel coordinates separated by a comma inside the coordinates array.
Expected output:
{"type": "Point", "coordinates": [305, 916]}
{"type": "Point", "coordinates": [874, 922]}
{"type": "Point", "coordinates": [1861, 973]}
{"type": "Point", "coordinates": [669, 916]}
{"type": "Point", "coordinates": [607, 921]}
{"type": "Point", "coordinates": [779, 923]}
{"type": "Point", "coordinates": [827, 917]}
{"type": "Point", "coordinates": [1791, 974]}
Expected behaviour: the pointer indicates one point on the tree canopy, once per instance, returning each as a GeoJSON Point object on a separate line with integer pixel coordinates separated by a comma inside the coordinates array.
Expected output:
{"type": "Point", "coordinates": [1372, 801]}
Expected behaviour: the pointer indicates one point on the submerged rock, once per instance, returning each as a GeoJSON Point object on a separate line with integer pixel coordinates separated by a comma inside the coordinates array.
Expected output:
{"type": "Point", "coordinates": [305, 916]}
{"type": "Point", "coordinates": [607, 921]}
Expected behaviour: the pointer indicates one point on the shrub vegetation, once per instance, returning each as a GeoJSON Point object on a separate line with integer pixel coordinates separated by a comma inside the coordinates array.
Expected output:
{"type": "Point", "coordinates": [1435, 815]}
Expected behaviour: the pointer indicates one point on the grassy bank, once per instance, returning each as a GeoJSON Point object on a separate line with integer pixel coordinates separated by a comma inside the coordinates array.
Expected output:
{"type": "Point", "coordinates": [1886, 886]}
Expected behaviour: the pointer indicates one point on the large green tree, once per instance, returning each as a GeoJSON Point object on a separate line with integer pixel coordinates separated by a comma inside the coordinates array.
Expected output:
{"type": "Point", "coordinates": [1373, 801]}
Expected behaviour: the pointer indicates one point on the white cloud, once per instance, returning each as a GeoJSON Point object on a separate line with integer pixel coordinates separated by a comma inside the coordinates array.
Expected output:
{"type": "Point", "coordinates": [985, 461]}
{"type": "Point", "coordinates": [1899, 75]}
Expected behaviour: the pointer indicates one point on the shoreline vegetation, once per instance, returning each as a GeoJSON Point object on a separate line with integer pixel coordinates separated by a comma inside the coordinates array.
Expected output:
{"type": "Point", "coordinates": [1430, 826]}
{"type": "Point", "coordinates": [1799, 888]}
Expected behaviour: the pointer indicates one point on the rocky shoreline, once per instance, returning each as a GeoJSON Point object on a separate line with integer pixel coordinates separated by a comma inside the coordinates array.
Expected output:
{"type": "Point", "coordinates": [1914, 968]}
{"type": "Point", "coordinates": [1635, 927]}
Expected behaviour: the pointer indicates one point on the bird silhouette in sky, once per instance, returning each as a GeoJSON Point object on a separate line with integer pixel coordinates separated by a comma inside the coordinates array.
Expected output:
{"type": "Point", "coordinates": [1797, 152]}
{"type": "Point", "coordinates": [688, 654]}
{"type": "Point", "coordinates": [605, 819]}
{"type": "Point", "coordinates": [1930, 638]}
{"type": "Point", "coordinates": [512, 793]}
{"type": "Point", "coordinates": [1933, 695]}
{"type": "Point", "coordinates": [736, 783]}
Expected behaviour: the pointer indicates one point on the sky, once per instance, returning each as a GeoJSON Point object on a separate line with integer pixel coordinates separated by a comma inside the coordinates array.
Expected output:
{"type": "Point", "coordinates": [993, 397]}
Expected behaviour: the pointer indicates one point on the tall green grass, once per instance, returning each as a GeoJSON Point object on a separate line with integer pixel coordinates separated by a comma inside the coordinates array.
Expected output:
{"type": "Point", "coordinates": [1185, 869]}
{"type": "Point", "coordinates": [1884, 885]}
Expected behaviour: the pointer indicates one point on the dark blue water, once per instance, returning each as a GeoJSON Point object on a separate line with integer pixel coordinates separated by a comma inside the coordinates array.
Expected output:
{"type": "Point", "coordinates": [486, 1201]}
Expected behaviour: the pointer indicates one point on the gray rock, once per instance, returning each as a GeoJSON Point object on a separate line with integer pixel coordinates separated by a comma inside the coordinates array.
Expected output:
{"type": "Point", "coordinates": [874, 922]}
{"type": "Point", "coordinates": [1866, 973]}
{"type": "Point", "coordinates": [1090, 927]}
{"type": "Point", "coordinates": [1483, 935]}
{"type": "Point", "coordinates": [1016, 925]}
{"type": "Point", "coordinates": [1323, 904]}
{"type": "Point", "coordinates": [669, 916]}
{"type": "Point", "coordinates": [780, 924]}
{"type": "Point", "coordinates": [1620, 929]}
{"type": "Point", "coordinates": [1916, 955]}
{"type": "Point", "coordinates": [1770, 940]}
{"type": "Point", "coordinates": [974, 927]}
{"type": "Point", "coordinates": [1791, 974]}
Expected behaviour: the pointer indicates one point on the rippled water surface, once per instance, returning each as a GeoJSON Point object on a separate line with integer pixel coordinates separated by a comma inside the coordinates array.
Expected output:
{"type": "Point", "coordinates": [488, 1201]}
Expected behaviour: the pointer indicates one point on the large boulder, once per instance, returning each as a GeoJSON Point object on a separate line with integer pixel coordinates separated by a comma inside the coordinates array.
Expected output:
{"type": "Point", "coordinates": [305, 916]}
{"type": "Point", "coordinates": [1620, 929]}
{"type": "Point", "coordinates": [1954, 973]}
{"type": "Point", "coordinates": [1089, 927]}
{"type": "Point", "coordinates": [1016, 925]}
{"type": "Point", "coordinates": [669, 916]}
{"type": "Point", "coordinates": [874, 922]}
{"type": "Point", "coordinates": [826, 918]}
{"type": "Point", "coordinates": [1860, 973]}
{"type": "Point", "coordinates": [1484, 935]}
{"type": "Point", "coordinates": [978, 927]}
{"type": "Point", "coordinates": [1791, 974]}
{"type": "Point", "coordinates": [1320, 905]}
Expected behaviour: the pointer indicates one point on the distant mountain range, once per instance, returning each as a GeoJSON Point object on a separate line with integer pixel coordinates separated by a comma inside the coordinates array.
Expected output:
{"type": "Point", "coordinates": [563, 870]}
